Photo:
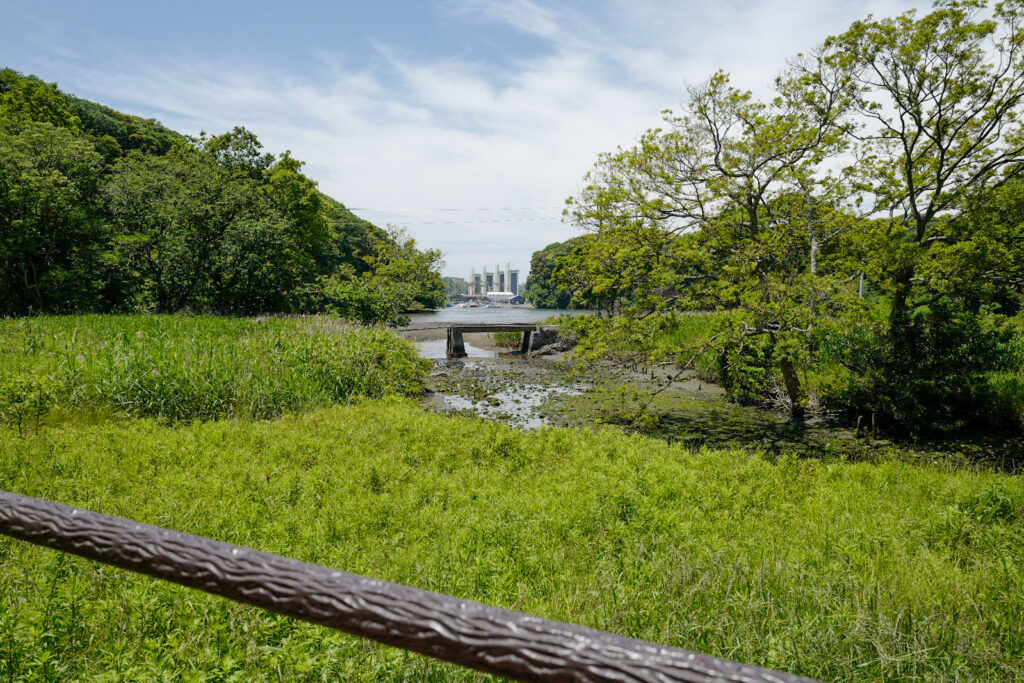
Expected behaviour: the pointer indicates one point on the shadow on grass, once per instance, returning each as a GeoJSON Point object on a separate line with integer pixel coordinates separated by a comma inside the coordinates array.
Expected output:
{"type": "Point", "coordinates": [697, 422]}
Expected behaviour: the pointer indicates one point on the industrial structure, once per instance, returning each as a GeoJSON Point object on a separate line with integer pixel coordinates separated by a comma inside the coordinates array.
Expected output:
{"type": "Point", "coordinates": [497, 284]}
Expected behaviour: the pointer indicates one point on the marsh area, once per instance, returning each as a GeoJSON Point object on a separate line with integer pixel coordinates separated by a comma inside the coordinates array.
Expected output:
{"type": "Point", "coordinates": [528, 393]}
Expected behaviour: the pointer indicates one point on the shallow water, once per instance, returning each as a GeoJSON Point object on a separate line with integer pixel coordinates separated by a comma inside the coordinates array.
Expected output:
{"type": "Point", "coordinates": [529, 393]}
{"type": "Point", "coordinates": [516, 405]}
{"type": "Point", "coordinates": [437, 349]}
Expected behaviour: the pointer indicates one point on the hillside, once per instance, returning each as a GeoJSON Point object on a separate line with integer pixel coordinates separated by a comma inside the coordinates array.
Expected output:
{"type": "Point", "coordinates": [104, 211]}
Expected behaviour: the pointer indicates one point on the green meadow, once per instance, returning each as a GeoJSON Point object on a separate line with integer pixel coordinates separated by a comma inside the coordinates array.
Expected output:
{"type": "Point", "coordinates": [831, 569]}
{"type": "Point", "coordinates": [182, 368]}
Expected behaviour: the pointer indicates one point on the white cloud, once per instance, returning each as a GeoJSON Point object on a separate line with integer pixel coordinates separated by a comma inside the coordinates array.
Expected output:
{"type": "Point", "coordinates": [523, 15]}
{"type": "Point", "coordinates": [417, 133]}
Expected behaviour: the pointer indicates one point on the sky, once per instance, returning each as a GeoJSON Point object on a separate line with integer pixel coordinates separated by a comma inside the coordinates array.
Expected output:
{"type": "Point", "coordinates": [466, 122]}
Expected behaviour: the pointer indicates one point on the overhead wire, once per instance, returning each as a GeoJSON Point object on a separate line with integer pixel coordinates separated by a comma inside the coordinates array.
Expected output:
{"type": "Point", "coordinates": [464, 222]}
{"type": "Point", "coordinates": [496, 208]}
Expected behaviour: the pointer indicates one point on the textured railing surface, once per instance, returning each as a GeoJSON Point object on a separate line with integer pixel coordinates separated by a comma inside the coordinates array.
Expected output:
{"type": "Point", "coordinates": [487, 638]}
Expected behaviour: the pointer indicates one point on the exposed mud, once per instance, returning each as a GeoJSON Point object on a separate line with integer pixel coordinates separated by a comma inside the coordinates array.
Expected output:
{"type": "Point", "coordinates": [532, 392]}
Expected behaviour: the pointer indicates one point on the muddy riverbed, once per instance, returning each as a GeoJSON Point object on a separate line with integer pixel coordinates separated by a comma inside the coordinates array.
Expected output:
{"type": "Point", "coordinates": [495, 384]}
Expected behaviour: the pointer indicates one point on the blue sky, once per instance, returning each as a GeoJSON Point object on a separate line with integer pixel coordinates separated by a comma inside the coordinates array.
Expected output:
{"type": "Point", "coordinates": [468, 122]}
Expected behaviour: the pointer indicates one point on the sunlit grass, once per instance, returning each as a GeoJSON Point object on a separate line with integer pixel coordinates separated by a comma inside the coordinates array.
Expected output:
{"type": "Point", "coordinates": [834, 570]}
{"type": "Point", "coordinates": [192, 367]}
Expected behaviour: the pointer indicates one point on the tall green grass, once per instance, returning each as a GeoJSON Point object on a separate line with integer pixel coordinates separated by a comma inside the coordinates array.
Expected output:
{"type": "Point", "coordinates": [186, 368]}
{"type": "Point", "coordinates": [835, 570]}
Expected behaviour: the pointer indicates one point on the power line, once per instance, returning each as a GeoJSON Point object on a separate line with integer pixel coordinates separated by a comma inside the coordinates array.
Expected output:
{"type": "Point", "coordinates": [472, 222]}
{"type": "Point", "coordinates": [497, 208]}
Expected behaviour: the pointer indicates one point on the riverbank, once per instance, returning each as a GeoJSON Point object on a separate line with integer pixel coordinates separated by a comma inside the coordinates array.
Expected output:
{"type": "Point", "coordinates": [533, 392]}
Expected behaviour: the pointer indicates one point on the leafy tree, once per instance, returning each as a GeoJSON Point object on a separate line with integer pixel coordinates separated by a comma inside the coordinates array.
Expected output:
{"type": "Point", "coordinates": [401, 278]}
{"type": "Point", "coordinates": [541, 289]}
{"type": "Point", "coordinates": [34, 100]}
{"type": "Point", "coordinates": [935, 103]}
{"type": "Point", "coordinates": [353, 238]}
{"type": "Point", "coordinates": [746, 207]}
{"type": "Point", "coordinates": [100, 210]}
{"type": "Point", "coordinates": [51, 229]}
{"type": "Point", "coordinates": [170, 215]}
{"type": "Point", "coordinates": [728, 208]}
{"type": "Point", "coordinates": [239, 152]}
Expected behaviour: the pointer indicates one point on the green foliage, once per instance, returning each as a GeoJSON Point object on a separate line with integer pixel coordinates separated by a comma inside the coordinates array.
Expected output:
{"type": "Point", "coordinates": [51, 227]}
{"type": "Point", "coordinates": [943, 365]}
{"type": "Point", "coordinates": [541, 288]}
{"type": "Point", "coordinates": [31, 99]}
{"type": "Point", "coordinates": [746, 207]}
{"type": "Point", "coordinates": [828, 569]}
{"type": "Point", "coordinates": [508, 340]}
{"type": "Point", "coordinates": [183, 368]}
{"type": "Point", "coordinates": [400, 279]}
{"type": "Point", "coordinates": [25, 399]}
{"type": "Point", "coordinates": [726, 208]}
{"type": "Point", "coordinates": [100, 211]}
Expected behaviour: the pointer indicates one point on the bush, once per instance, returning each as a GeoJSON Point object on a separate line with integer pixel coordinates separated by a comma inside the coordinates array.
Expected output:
{"type": "Point", "coordinates": [508, 340]}
{"type": "Point", "coordinates": [932, 374]}
{"type": "Point", "coordinates": [26, 399]}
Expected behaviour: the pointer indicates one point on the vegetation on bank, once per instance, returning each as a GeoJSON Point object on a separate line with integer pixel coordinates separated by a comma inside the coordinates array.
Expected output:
{"type": "Point", "coordinates": [991, 401]}
{"type": "Point", "coordinates": [542, 288]}
{"type": "Point", "coordinates": [829, 569]}
{"type": "Point", "coordinates": [179, 368]}
{"type": "Point", "coordinates": [859, 233]}
{"type": "Point", "coordinates": [101, 211]}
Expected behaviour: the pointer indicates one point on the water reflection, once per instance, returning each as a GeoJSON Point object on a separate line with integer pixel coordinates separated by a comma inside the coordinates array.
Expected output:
{"type": "Point", "coordinates": [437, 349]}
{"type": "Point", "coordinates": [517, 406]}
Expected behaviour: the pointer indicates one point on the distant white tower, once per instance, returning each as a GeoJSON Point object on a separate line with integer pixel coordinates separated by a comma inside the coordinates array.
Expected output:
{"type": "Point", "coordinates": [508, 278]}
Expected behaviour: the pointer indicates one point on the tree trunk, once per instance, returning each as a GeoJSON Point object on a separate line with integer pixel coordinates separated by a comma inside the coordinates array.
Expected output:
{"type": "Point", "coordinates": [789, 376]}
{"type": "Point", "coordinates": [898, 315]}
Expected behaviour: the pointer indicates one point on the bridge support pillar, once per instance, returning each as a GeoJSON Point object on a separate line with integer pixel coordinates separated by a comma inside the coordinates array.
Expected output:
{"type": "Point", "coordinates": [456, 344]}
{"type": "Point", "coordinates": [524, 346]}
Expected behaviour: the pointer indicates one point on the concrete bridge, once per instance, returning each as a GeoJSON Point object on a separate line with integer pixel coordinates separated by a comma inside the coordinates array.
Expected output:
{"type": "Point", "coordinates": [534, 336]}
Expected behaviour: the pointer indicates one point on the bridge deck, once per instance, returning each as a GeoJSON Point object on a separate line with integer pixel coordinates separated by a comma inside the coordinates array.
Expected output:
{"type": "Point", "coordinates": [457, 346]}
{"type": "Point", "coordinates": [499, 327]}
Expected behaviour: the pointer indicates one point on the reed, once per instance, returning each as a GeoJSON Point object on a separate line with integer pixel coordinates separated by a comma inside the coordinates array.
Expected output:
{"type": "Point", "coordinates": [184, 368]}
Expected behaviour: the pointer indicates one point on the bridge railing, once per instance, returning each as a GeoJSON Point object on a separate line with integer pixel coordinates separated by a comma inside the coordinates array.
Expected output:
{"type": "Point", "coordinates": [490, 639]}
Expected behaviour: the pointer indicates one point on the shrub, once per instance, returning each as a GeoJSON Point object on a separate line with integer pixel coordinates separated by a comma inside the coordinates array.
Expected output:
{"type": "Point", "coordinates": [26, 399]}
{"type": "Point", "coordinates": [932, 374]}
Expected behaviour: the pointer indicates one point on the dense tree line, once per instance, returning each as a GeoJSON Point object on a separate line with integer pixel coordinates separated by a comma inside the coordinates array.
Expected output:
{"type": "Point", "coordinates": [860, 233]}
{"type": "Point", "coordinates": [100, 211]}
{"type": "Point", "coordinates": [541, 288]}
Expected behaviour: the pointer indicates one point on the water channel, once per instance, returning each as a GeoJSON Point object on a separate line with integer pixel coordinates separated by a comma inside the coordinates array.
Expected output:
{"type": "Point", "coordinates": [490, 382]}
{"type": "Point", "coordinates": [496, 384]}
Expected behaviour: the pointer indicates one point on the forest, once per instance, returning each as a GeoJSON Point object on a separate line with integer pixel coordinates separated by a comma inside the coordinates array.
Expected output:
{"type": "Point", "coordinates": [857, 237]}
{"type": "Point", "coordinates": [105, 212]}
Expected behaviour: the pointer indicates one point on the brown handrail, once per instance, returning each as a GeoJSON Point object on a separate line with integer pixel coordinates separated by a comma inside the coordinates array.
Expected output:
{"type": "Point", "coordinates": [482, 637]}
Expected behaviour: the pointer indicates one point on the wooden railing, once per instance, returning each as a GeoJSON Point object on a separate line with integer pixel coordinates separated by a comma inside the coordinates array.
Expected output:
{"type": "Point", "coordinates": [482, 637]}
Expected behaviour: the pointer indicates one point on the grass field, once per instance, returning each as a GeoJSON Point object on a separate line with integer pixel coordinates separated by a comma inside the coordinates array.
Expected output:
{"type": "Point", "coordinates": [75, 368]}
{"type": "Point", "coordinates": [829, 569]}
